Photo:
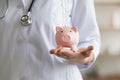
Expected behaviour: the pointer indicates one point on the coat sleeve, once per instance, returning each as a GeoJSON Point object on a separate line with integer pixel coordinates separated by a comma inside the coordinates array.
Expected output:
{"type": "Point", "coordinates": [83, 16]}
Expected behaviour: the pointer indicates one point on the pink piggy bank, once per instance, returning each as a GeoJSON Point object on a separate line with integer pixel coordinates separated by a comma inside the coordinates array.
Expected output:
{"type": "Point", "coordinates": [67, 37]}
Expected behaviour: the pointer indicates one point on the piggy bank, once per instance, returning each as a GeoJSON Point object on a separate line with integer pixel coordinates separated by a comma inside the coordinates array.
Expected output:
{"type": "Point", "coordinates": [67, 37]}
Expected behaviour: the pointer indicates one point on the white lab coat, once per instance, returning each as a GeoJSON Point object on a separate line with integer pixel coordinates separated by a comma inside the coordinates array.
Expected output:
{"type": "Point", "coordinates": [24, 51]}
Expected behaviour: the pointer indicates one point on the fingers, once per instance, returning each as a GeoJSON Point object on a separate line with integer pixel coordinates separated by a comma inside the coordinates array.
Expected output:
{"type": "Point", "coordinates": [66, 54]}
{"type": "Point", "coordinates": [55, 51]}
{"type": "Point", "coordinates": [88, 59]}
{"type": "Point", "coordinates": [83, 55]}
{"type": "Point", "coordinates": [86, 51]}
{"type": "Point", "coordinates": [90, 48]}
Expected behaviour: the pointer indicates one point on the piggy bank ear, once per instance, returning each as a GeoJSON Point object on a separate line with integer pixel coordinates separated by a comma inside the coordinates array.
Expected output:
{"type": "Point", "coordinates": [74, 28]}
{"type": "Point", "coordinates": [58, 28]}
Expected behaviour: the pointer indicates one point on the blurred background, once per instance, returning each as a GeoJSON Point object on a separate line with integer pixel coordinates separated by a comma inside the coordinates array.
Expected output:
{"type": "Point", "coordinates": [107, 65]}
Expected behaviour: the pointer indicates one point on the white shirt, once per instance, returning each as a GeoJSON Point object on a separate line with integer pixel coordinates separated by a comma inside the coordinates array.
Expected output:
{"type": "Point", "coordinates": [24, 51]}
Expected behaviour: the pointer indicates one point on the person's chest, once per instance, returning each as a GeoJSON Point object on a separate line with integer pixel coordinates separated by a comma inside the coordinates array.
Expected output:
{"type": "Point", "coordinates": [57, 10]}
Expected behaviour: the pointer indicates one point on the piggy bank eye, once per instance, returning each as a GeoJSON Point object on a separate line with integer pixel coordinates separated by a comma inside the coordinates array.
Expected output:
{"type": "Point", "coordinates": [62, 31]}
{"type": "Point", "coordinates": [70, 31]}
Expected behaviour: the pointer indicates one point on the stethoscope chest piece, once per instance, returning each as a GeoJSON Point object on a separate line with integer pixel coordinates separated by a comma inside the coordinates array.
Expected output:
{"type": "Point", "coordinates": [26, 19]}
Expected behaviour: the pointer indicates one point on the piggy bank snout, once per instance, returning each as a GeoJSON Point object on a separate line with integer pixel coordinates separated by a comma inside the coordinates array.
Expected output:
{"type": "Point", "coordinates": [66, 38]}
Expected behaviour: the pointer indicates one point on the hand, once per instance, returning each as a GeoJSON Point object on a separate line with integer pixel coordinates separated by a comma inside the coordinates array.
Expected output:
{"type": "Point", "coordinates": [81, 56]}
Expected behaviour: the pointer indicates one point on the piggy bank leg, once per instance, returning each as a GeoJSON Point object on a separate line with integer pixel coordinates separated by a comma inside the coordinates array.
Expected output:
{"type": "Point", "coordinates": [74, 48]}
{"type": "Point", "coordinates": [59, 48]}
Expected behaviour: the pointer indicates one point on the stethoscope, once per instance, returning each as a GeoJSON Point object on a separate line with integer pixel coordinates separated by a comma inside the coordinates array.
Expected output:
{"type": "Point", "coordinates": [25, 19]}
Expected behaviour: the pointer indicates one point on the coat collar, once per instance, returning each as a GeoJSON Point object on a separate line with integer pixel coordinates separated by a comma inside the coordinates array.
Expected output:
{"type": "Point", "coordinates": [26, 4]}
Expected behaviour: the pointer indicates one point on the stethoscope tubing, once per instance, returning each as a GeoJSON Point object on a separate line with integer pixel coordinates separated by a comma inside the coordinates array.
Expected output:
{"type": "Point", "coordinates": [30, 7]}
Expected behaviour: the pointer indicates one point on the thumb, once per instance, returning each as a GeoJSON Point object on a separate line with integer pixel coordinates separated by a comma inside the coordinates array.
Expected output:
{"type": "Point", "coordinates": [88, 51]}
{"type": "Point", "coordinates": [90, 48]}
